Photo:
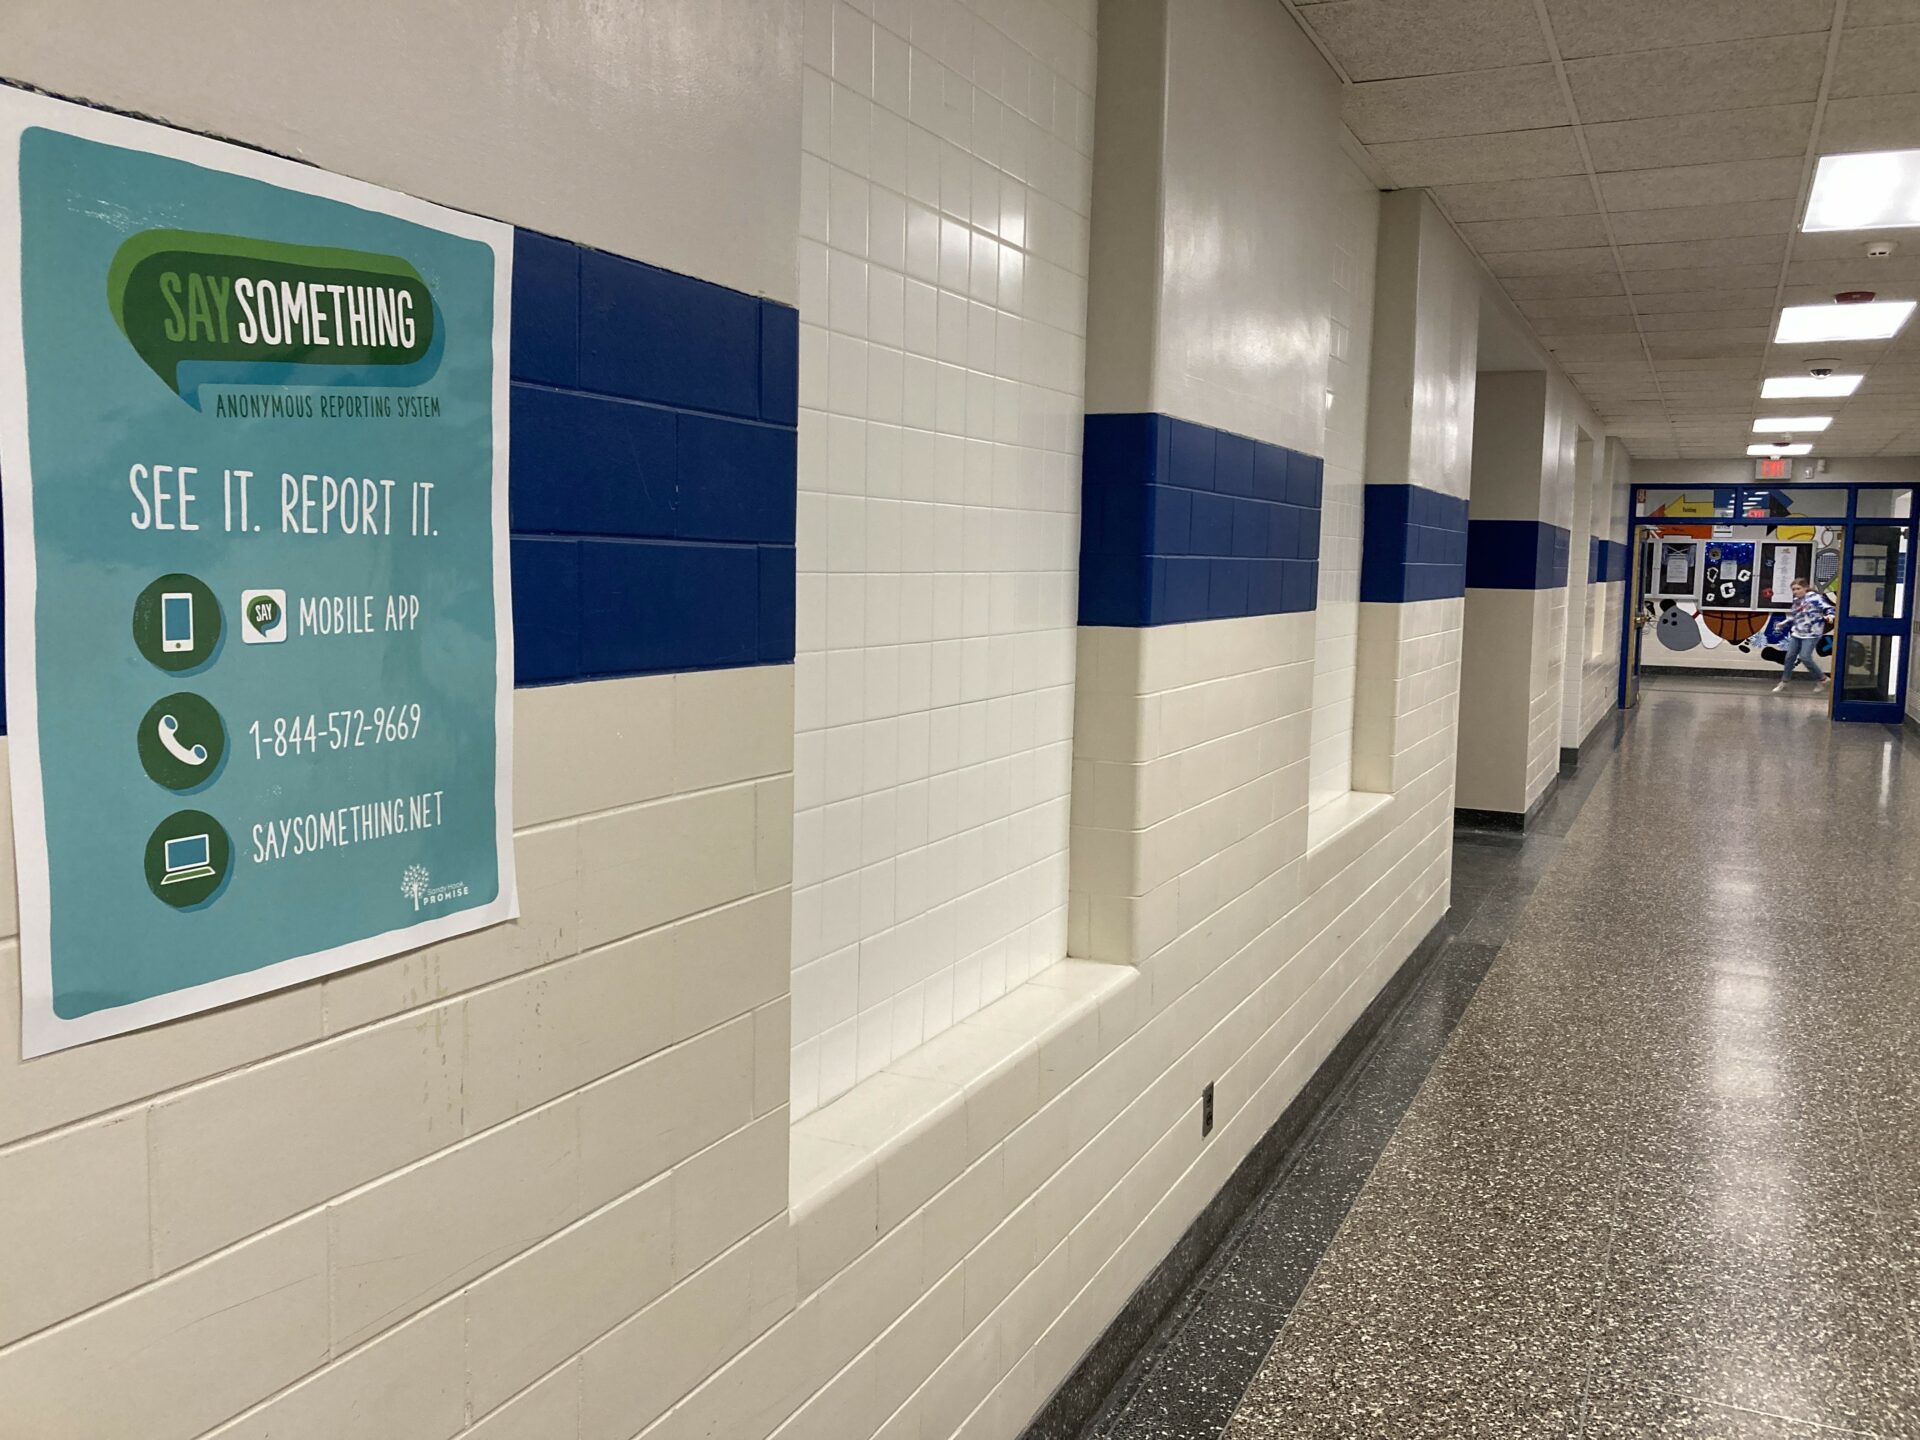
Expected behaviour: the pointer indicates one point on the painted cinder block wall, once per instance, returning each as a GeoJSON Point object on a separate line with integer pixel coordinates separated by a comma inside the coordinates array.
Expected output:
{"type": "Point", "coordinates": [455, 1192]}
{"type": "Point", "coordinates": [1516, 686]}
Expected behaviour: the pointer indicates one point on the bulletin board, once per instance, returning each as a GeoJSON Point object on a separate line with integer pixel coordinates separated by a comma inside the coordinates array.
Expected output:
{"type": "Point", "coordinates": [1676, 570]}
{"type": "Point", "coordinates": [1727, 578]}
{"type": "Point", "coordinates": [1781, 563]}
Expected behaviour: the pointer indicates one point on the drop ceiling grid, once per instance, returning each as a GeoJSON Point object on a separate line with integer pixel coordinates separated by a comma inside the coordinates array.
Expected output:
{"type": "Point", "coordinates": [1633, 172]}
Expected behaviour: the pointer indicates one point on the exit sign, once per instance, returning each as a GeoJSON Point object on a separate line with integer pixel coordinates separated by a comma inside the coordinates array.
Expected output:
{"type": "Point", "coordinates": [1773, 467]}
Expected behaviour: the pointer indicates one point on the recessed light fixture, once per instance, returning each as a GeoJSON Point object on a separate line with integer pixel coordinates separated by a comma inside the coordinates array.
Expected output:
{"type": "Point", "coordinates": [1791, 424]}
{"type": "Point", "coordinates": [1809, 387]}
{"type": "Point", "coordinates": [1802, 448]}
{"type": "Point", "coordinates": [1876, 191]}
{"type": "Point", "coordinates": [1814, 324]}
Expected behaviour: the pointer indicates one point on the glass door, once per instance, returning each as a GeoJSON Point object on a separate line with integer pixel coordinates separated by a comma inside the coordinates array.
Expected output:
{"type": "Point", "coordinates": [1876, 608]}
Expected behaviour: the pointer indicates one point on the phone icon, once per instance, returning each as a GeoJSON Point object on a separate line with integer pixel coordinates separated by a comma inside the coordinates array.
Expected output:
{"type": "Point", "coordinates": [176, 621]}
{"type": "Point", "coordinates": [182, 742]}
{"type": "Point", "coordinates": [188, 858]}
{"type": "Point", "coordinates": [168, 729]}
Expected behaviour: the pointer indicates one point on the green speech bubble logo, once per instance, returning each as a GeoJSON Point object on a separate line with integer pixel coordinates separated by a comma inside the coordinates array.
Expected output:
{"type": "Point", "coordinates": [200, 308]}
{"type": "Point", "coordinates": [263, 613]}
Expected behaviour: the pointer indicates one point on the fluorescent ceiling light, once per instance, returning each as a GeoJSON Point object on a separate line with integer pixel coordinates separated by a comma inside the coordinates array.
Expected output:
{"type": "Point", "coordinates": [1814, 324]}
{"type": "Point", "coordinates": [1879, 191]}
{"type": "Point", "coordinates": [1790, 424]}
{"type": "Point", "coordinates": [1810, 387]}
{"type": "Point", "coordinates": [1801, 449]}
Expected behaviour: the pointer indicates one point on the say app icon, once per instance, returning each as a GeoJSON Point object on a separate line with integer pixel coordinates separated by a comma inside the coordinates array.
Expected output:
{"type": "Point", "coordinates": [263, 616]}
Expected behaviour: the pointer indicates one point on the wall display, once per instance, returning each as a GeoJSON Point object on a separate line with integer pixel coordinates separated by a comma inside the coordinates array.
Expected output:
{"type": "Point", "coordinates": [1676, 571]}
{"type": "Point", "coordinates": [1781, 563]}
{"type": "Point", "coordinates": [1709, 635]}
{"type": "Point", "coordinates": [1727, 579]}
{"type": "Point", "coordinates": [253, 425]}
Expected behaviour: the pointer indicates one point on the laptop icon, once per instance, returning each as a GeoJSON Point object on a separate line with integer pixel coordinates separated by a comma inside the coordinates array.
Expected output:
{"type": "Point", "coordinates": [187, 859]}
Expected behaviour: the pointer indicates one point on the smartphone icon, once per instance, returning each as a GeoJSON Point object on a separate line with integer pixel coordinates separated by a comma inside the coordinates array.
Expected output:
{"type": "Point", "coordinates": [176, 621]}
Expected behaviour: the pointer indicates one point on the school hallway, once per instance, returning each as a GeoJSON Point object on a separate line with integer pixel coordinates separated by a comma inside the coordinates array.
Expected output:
{"type": "Point", "coordinates": [1641, 1155]}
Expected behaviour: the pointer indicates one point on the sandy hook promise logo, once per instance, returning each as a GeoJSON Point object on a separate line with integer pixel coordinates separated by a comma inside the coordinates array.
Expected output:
{"type": "Point", "coordinates": [416, 884]}
{"type": "Point", "coordinates": [226, 309]}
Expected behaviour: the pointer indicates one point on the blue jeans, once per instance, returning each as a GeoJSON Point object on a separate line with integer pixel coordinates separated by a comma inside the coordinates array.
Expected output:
{"type": "Point", "coordinates": [1800, 650]}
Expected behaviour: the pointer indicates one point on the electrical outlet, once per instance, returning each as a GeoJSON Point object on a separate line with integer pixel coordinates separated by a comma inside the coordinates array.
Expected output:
{"type": "Point", "coordinates": [1206, 1111]}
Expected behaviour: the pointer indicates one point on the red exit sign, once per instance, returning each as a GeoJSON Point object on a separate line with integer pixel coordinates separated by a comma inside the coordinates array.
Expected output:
{"type": "Point", "coordinates": [1773, 467]}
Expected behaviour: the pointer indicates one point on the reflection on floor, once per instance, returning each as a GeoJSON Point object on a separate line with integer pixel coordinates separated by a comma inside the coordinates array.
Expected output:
{"type": "Point", "coordinates": [1661, 1176]}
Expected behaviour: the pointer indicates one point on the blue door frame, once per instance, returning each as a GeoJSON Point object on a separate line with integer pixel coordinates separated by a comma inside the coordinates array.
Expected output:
{"type": "Point", "coordinates": [1900, 626]}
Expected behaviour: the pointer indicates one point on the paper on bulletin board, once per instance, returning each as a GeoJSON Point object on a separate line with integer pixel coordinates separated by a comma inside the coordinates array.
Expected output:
{"type": "Point", "coordinates": [253, 423]}
{"type": "Point", "coordinates": [1785, 571]}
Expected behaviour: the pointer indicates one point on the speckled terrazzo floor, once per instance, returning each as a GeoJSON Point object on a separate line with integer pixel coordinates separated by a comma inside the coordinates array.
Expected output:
{"type": "Point", "coordinates": [1641, 1155]}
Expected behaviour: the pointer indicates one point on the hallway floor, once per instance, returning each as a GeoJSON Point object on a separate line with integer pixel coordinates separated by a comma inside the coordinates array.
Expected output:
{"type": "Point", "coordinates": [1641, 1155]}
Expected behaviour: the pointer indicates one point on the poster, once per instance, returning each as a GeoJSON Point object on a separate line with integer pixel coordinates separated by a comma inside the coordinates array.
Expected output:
{"type": "Point", "coordinates": [1785, 571]}
{"type": "Point", "coordinates": [253, 440]}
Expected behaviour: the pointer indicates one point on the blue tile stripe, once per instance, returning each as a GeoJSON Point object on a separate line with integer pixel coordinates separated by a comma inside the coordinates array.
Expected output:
{"type": "Point", "coordinates": [1516, 555]}
{"type": "Point", "coordinates": [653, 460]}
{"type": "Point", "coordinates": [1183, 522]}
{"type": "Point", "coordinates": [652, 469]}
{"type": "Point", "coordinates": [1413, 545]}
{"type": "Point", "coordinates": [1607, 561]}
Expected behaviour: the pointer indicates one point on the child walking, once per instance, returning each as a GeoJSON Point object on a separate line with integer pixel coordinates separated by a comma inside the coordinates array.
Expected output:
{"type": "Point", "coordinates": [1805, 625]}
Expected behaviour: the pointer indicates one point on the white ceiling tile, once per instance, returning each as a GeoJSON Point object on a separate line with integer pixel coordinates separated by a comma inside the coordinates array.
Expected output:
{"type": "Point", "coordinates": [1671, 366]}
{"type": "Point", "coordinates": [1664, 301]}
{"type": "Point", "coordinates": [1702, 222]}
{"type": "Point", "coordinates": [1901, 272]}
{"type": "Point", "coordinates": [1708, 343]}
{"type": "Point", "coordinates": [1460, 159]}
{"type": "Point", "coordinates": [1851, 246]}
{"type": "Point", "coordinates": [1593, 347]}
{"type": "Point", "coordinates": [1547, 232]}
{"type": "Point", "coordinates": [1882, 61]}
{"type": "Point", "coordinates": [1697, 319]}
{"type": "Point", "coordinates": [1724, 183]}
{"type": "Point", "coordinates": [1699, 78]}
{"type": "Point", "coordinates": [1606, 27]}
{"type": "Point", "coordinates": [1878, 12]}
{"type": "Point", "coordinates": [1758, 134]}
{"type": "Point", "coordinates": [1655, 282]}
{"type": "Point", "coordinates": [1551, 262]}
{"type": "Point", "coordinates": [1871, 122]}
{"type": "Point", "coordinates": [1378, 39]}
{"type": "Point", "coordinates": [1534, 287]}
{"type": "Point", "coordinates": [1575, 305]}
{"type": "Point", "coordinates": [1476, 102]}
{"type": "Point", "coordinates": [1681, 254]}
{"type": "Point", "coordinates": [1586, 325]}
{"type": "Point", "coordinates": [1515, 199]}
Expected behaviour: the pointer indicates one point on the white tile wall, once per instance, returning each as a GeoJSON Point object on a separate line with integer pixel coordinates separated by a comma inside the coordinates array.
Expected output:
{"type": "Point", "coordinates": [1354, 222]}
{"type": "Point", "coordinates": [1548, 686]}
{"type": "Point", "coordinates": [945, 186]}
{"type": "Point", "coordinates": [529, 108]}
{"type": "Point", "coordinates": [409, 1192]}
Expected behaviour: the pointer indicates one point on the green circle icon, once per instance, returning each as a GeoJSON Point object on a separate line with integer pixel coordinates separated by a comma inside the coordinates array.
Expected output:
{"type": "Point", "coordinates": [182, 743]}
{"type": "Point", "coordinates": [188, 859]}
{"type": "Point", "coordinates": [176, 623]}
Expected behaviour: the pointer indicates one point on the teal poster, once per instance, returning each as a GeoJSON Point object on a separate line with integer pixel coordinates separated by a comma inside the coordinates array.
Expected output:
{"type": "Point", "coordinates": [253, 441]}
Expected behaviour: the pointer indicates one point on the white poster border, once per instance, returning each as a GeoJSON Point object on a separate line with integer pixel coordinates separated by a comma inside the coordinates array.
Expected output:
{"type": "Point", "coordinates": [41, 1031]}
